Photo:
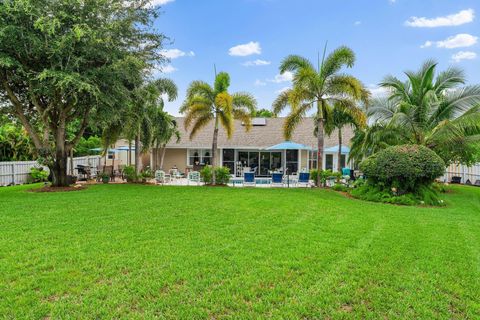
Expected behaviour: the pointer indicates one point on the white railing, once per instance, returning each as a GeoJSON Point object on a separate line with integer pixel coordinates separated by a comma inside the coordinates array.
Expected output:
{"type": "Point", "coordinates": [471, 174]}
{"type": "Point", "coordinates": [16, 172]}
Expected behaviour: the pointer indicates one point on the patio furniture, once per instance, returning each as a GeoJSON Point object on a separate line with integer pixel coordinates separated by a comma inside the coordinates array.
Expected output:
{"type": "Point", "coordinates": [304, 178]}
{"type": "Point", "coordinates": [161, 177]}
{"type": "Point", "coordinates": [277, 179]}
{"type": "Point", "coordinates": [477, 183]}
{"type": "Point", "coordinates": [456, 180]}
{"type": "Point", "coordinates": [84, 172]}
{"type": "Point", "coordinates": [193, 176]}
{"type": "Point", "coordinates": [248, 178]}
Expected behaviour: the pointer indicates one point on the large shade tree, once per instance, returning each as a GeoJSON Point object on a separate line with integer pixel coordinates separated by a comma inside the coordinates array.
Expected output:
{"type": "Point", "coordinates": [432, 109]}
{"type": "Point", "coordinates": [319, 89]}
{"type": "Point", "coordinates": [205, 104]}
{"type": "Point", "coordinates": [65, 62]}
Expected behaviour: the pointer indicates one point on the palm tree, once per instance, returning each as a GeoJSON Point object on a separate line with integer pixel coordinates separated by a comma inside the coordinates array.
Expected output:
{"type": "Point", "coordinates": [319, 88]}
{"type": "Point", "coordinates": [204, 104]}
{"type": "Point", "coordinates": [341, 118]}
{"type": "Point", "coordinates": [138, 120]}
{"type": "Point", "coordinates": [164, 129]}
{"type": "Point", "coordinates": [436, 111]}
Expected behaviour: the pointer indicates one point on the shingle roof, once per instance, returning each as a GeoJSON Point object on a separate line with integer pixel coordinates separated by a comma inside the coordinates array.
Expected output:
{"type": "Point", "coordinates": [258, 137]}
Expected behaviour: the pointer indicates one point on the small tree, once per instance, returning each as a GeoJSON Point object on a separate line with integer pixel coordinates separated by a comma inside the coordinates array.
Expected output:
{"type": "Point", "coordinates": [65, 62]}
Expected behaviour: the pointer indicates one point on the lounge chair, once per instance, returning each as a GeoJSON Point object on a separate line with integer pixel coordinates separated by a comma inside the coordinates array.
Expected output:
{"type": "Point", "coordinates": [161, 177]}
{"type": "Point", "coordinates": [193, 176]}
{"type": "Point", "coordinates": [456, 179]}
{"type": "Point", "coordinates": [304, 178]}
{"type": "Point", "coordinates": [277, 179]}
{"type": "Point", "coordinates": [477, 183]}
{"type": "Point", "coordinates": [248, 178]}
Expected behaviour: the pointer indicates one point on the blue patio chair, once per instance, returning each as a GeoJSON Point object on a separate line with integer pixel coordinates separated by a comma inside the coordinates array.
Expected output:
{"type": "Point", "coordinates": [277, 179]}
{"type": "Point", "coordinates": [304, 178]}
{"type": "Point", "coordinates": [248, 178]}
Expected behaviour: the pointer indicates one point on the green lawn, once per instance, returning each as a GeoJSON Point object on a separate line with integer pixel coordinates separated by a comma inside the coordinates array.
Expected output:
{"type": "Point", "coordinates": [132, 251]}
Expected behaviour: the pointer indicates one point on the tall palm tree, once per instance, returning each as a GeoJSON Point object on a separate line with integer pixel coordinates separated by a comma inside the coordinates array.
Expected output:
{"type": "Point", "coordinates": [434, 110]}
{"type": "Point", "coordinates": [164, 129]}
{"type": "Point", "coordinates": [204, 104]}
{"type": "Point", "coordinates": [319, 88]}
{"type": "Point", "coordinates": [341, 118]}
{"type": "Point", "coordinates": [138, 121]}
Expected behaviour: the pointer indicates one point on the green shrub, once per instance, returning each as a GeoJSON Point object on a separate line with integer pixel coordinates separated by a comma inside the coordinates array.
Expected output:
{"type": "Point", "coordinates": [129, 173]}
{"type": "Point", "coordinates": [404, 168]}
{"type": "Point", "coordinates": [340, 187]}
{"type": "Point", "coordinates": [37, 175]}
{"type": "Point", "coordinates": [222, 175]}
{"type": "Point", "coordinates": [324, 175]}
{"type": "Point", "coordinates": [147, 173]}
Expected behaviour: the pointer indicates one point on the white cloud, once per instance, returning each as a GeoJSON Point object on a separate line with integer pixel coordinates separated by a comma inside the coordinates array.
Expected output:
{"type": "Point", "coordinates": [260, 83]}
{"type": "Point", "coordinates": [257, 62]}
{"type": "Point", "coordinates": [168, 69]}
{"type": "Point", "coordinates": [357, 23]}
{"type": "Point", "coordinates": [462, 17]}
{"type": "Point", "coordinates": [458, 41]}
{"type": "Point", "coordinates": [282, 90]}
{"type": "Point", "coordinates": [427, 44]}
{"type": "Point", "coordinates": [464, 55]}
{"type": "Point", "coordinates": [378, 92]}
{"type": "Point", "coordinates": [284, 77]}
{"type": "Point", "coordinates": [392, 1]}
{"type": "Point", "coordinates": [247, 49]}
{"type": "Point", "coordinates": [156, 3]}
{"type": "Point", "coordinates": [176, 53]}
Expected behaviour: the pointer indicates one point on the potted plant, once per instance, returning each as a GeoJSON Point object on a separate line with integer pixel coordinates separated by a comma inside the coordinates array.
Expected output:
{"type": "Point", "coordinates": [129, 173]}
{"type": "Point", "coordinates": [105, 177]}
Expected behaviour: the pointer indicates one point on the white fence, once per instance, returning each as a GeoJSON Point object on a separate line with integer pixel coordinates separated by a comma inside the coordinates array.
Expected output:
{"type": "Point", "coordinates": [16, 172]}
{"type": "Point", "coordinates": [471, 174]}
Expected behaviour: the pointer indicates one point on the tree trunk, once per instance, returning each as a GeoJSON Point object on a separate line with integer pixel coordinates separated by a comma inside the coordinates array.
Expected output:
{"type": "Point", "coordinates": [137, 154]}
{"type": "Point", "coordinates": [214, 150]}
{"type": "Point", "coordinates": [129, 156]}
{"type": "Point", "coordinates": [59, 167]}
{"type": "Point", "coordinates": [71, 161]}
{"type": "Point", "coordinates": [339, 160]}
{"type": "Point", "coordinates": [320, 142]}
{"type": "Point", "coordinates": [164, 149]}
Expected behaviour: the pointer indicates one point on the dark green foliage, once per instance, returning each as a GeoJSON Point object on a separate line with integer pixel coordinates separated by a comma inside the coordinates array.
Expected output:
{"type": "Point", "coordinates": [129, 173]}
{"type": "Point", "coordinates": [37, 175]}
{"type": "Point", "coordinates": [15, 145]}
{"type": "Point", "coordinates": [222, 175]}
{"type": "Point", "coordinates": [425, 195]}
{"type": "Point", "coordinates": [263, 113]}
{"type": "Point", "coordinates": [324, 175]}
{"type": "Point", "coordinates": [403, 168]}
{"type": "Point", "coordinates": [85, 146]}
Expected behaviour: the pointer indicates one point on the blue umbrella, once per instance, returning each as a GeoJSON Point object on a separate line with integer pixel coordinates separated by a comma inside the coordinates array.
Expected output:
{"type": "Point", "coordinates": [125, 148]}
{"type": "Point", "coordinates": [289, 145]}
{"type": "Point", "coordinates": [345, 149]}
{"type": "Point", "coordinates": [101, 149]}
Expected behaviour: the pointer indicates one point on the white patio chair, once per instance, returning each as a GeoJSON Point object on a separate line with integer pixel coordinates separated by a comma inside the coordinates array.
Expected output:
{"type": "Point", "coordinates": [193, 176]}
{"type": "Point", "coordinates": [161, 177]}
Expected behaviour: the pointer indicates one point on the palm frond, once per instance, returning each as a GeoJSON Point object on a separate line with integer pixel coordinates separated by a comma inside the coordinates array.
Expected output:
{"type": "Point", "coordinates": [281, 102]}
{"type": "Point", "coordinates": [200, 122]}
{"type": "Point", "coordinates": [293, 63]}
{"type": "Point", "coordinates": [339, 58]}
{"type": "Point", "coordinates": [294, 119]}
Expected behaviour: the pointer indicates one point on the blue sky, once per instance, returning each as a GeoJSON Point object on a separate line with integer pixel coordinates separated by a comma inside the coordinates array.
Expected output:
{"type": "Point", "coordinates": [249, 38]}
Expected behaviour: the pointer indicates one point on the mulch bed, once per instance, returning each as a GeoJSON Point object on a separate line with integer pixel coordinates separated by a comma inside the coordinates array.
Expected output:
{"type": "Point", "coordinates": [59, 189]}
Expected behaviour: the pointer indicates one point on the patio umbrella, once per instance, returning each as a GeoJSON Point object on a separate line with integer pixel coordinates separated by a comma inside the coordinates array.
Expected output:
{"type": "Point", "coordinates": [345, 149]}
{"type": "Point", "coordinates": [289, 145]}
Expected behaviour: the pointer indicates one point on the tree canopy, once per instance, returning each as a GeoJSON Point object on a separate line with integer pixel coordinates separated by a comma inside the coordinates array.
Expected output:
{"type": "Point", "coordinates": [66, 63]}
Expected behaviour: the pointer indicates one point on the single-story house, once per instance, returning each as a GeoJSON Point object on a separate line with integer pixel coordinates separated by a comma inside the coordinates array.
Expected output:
{"type": "Point", "coordinates": [251, 149]}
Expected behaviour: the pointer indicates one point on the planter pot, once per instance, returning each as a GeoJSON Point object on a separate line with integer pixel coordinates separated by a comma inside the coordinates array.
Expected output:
{"type": "Point", "coordinates": [105, 179]}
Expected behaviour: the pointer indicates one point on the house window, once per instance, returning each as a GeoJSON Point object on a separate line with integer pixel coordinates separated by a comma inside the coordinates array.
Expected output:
{"type": "Point", "coordinates": [312, 158]}
{"type": "Point", "coordinates": [329, 162]}
{"type": "Point", "coordinates": [110, 155]}
{"type": "Point", "coordinates": [292, 161]}
{"type": "Point", "coordinates": [343, 161]}
{"type": "Point", "coordinates": [228, 156]}
{"type": "Point", "coordinates": [199, 156]}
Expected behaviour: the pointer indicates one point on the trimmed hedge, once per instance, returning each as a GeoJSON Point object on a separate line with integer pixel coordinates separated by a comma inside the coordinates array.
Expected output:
{"type": "Point", "coordinates": [222, 175]}
{"type": "Point", "coordinates": [404, 168]}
